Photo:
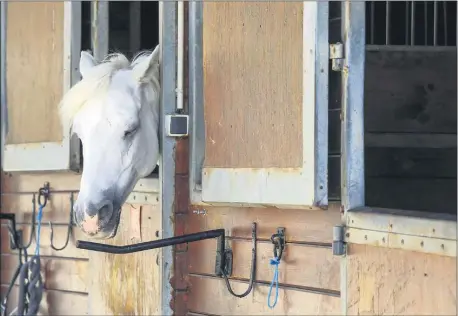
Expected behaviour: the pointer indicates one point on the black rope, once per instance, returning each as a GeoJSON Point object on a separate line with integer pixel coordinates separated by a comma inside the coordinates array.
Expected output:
{"type": "Point", "coordinates": [253, 269]}
{"type": "Point", "coordinates": [30, 287]}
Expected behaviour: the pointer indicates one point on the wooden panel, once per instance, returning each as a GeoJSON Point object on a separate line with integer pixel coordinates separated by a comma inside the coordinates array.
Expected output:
{"type": "Point", "coordinates": [311, 226]}
{"type": "Point", "coordinates": [411, 91]}
{"type": "Point", "coordinates": [210, 296]}
{"type": "Point", "coordinates": [57, 273]}
{"type": "Point", "coordinates": [54, 302]}
{"type": "Point", "coordinates": [420, 194]}
{"type": "Point", "coordinates": [253, 87]}
{"type": "Point", "coordinates": [300, 265]}
{"type": "Point", "coordinates": [60, 235]}
{"type": "Point", "coordinates": [128, 284]}
{"type": "Point", "coordinates": [395, 282]}
{"type": "Point", "coordinates": [34, 71]}
{"type": "Point", "coordinates": [410, 162]}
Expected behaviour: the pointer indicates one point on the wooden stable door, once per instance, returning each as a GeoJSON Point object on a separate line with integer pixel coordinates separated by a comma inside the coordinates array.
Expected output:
{"type": "Point", "coordinates": [264, 79]}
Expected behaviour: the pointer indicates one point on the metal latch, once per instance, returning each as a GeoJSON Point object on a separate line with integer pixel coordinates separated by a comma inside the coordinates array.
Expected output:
{"type": "Point", "coordinates": [177, 125]}
{"type": "Point", "coordinates": [336, 54]}
{"type": "Point", "coordinates": [338, 243]}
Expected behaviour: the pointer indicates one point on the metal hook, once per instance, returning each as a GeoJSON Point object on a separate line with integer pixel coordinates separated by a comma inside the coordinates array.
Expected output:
{"type": "Point", "coordinates": [279, 242]}
{"type": "Point", "coordinates": [253, 268]}
{"type": "Point", "coordinates": [69, 228]}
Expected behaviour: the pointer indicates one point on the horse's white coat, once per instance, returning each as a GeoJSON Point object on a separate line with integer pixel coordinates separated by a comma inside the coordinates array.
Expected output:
{"type": "Point", "coordinates": [114, 110]}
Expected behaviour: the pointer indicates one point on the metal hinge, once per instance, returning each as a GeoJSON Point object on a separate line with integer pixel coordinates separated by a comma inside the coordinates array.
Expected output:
{"type": "Point", "coordinates": [177, 125]}
{"type": "Point", "coordinates": [336, 54]}
{"type": "Point", "coordinates": [339, 248]}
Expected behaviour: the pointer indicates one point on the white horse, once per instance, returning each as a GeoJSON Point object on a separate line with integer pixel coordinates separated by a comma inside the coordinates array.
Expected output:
{"type": "Point", "coordinates": [114, 110]}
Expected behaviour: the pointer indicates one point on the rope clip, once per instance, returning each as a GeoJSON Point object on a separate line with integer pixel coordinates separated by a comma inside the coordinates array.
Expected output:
{"type": "Point", "coordinates": [43, 193]}
{"type": "Point", "coordinates": [279, 242]}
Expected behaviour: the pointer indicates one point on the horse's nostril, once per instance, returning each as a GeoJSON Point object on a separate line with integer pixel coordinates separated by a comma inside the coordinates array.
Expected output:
{"type": "Point", "coordinates": [105, 211]}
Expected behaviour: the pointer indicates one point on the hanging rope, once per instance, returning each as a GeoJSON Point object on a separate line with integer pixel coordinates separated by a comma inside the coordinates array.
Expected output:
{"type": "Point", "coordinates": [278, 240]}
{"type": "Point", "coordinates": [273, 262]}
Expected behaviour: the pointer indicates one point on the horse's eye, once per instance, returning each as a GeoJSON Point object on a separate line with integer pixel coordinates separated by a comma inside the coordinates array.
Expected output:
{"type": "Point", "coordinates": [130, 132]}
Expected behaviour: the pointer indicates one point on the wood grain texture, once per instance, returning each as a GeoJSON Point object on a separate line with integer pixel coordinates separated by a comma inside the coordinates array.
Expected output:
{"type": "Point", "coordinates": [128, 284]}
{"type": "Point", "coordinates": [34, 73]}
{"type": "Point", "coordinates": [395, 282]}
{"type": "Point", "coordinates": [253, 86]}
{"type": "Point", "coordinates": [57, 273]}
{"type": "Point", "coordinates": [301, 225]}
{"type": "Point", "coordinates": [300, 265]}
{"type": "Point", "coordinates": [419, 194]}
{"type": "Point", "coordinates": [54, 302]}
{"type": "Point", "coordinates": [410, 91]}
{"type": "Point", "coordinates": [210, 296]}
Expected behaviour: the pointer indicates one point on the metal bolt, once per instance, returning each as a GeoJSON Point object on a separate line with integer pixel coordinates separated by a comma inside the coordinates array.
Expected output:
{"type": "Point", "coordinates": [422, 244]}
{"type": "Point", "coordinates": [365, 237]}
{"type": "Point", "coordinates": [383, 239]}
{"type": "Point", "coordinates": [402, 241]}
{"type": "Point", "coordinates": [443, 246]}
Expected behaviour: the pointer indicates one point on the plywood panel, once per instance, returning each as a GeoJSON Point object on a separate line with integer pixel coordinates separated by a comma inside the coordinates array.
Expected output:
{"type": "Point", "coordinates": [410, 91]}
{"type": "Point", "coordinates": [34, 71]}
{"type": "Point", "coordinates": [54, 302]}
{"type": "Point", "coordinates": [57, 273]}
{"type": "Point", "coordinates": [311, 226]}
{"type": "Point", "coordinates": [128, 284]}
{"type": "Point", "coordinates": [300, 265]}
{"type": "Point", "coordinates": [395, 282]}
{"type": "Point", "coordinates": [253, 86]}
{"type": "Point", "coordinates": [218, 301]}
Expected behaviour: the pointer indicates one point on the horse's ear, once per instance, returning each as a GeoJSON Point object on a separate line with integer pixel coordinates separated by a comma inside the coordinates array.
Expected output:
{"type": "Point", "coordinates": [147, 68]}
{"type": "Point", "coordinates": [87, 62]}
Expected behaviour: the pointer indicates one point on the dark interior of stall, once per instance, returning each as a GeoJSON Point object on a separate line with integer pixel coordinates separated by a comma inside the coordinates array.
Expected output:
{"type": "Point", "coordinates": [410, 106]}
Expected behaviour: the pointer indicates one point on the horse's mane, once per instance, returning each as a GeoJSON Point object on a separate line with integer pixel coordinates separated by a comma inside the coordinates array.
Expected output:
{"type": "Point", "coordinates": [95, 84]}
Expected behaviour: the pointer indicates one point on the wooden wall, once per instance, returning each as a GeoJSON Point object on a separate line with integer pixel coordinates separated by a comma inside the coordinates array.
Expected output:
{"type": "Point", "coordinates": [236, 35]}
{"type": "Point", "coordinates": [384, 281]}
{"type": "Point", "coordinates": [76, 282]}
{"type": "Point", "coordinates": [410, 123]}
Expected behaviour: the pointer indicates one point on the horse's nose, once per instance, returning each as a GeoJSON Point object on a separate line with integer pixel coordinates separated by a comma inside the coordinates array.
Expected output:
{"type": "Point", "coordinates": [95, 218]}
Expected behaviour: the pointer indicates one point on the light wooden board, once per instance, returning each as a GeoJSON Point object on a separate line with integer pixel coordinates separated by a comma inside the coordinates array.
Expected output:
{"type": "Point", "coordinates": [311, 226]}
{"type": "Point", "coordinates": [128, 284]}
{"type": "Point", "coordinates": [210, 296]}
{"type": "Point", "coordinates": [410, 91]}
{"type": "Point", "coordinates": [34, 71]}
{"type": "Point", "coordinates": [57, 273]}
{"type": "Point", "coordinates": [300, 265]}
{"type": "Point", "coordinates": [260, 125]}
{"type": "Point", "coordinates": [55, 302]}
{"type": "Point", "coordinates": [396, 282]}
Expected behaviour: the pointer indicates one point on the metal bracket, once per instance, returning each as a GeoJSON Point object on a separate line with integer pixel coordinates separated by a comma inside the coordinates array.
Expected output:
{"type": "Point", "coordinates": [18, 238]}
{"type": "Point", "coordinates": [339, 247]}
{"type": "Point", "coordinates": [336, 54]}
{"type": "Point", "coordinates": [225, 263]}
{"type": "Point", "coordinates": [177, 125]}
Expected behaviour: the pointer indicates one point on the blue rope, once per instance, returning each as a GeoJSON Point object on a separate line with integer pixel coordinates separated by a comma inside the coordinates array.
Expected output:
{"type": "Point", "coordinates": [274, 262]}
{"type": "Point", "coordinates": [39, 217]}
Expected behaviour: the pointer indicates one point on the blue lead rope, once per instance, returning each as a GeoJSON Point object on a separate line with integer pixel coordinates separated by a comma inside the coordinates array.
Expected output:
{"type": "Point", "coordinates": [274, 262]}
{"type": "Point", "coordinates": [39, 217]}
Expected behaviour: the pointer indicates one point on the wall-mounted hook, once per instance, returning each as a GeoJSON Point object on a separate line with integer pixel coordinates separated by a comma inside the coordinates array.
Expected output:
{"type": "Point", "coordinates": [279, 242]}
{"type": "Point", "coordinates": [69, 228]}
